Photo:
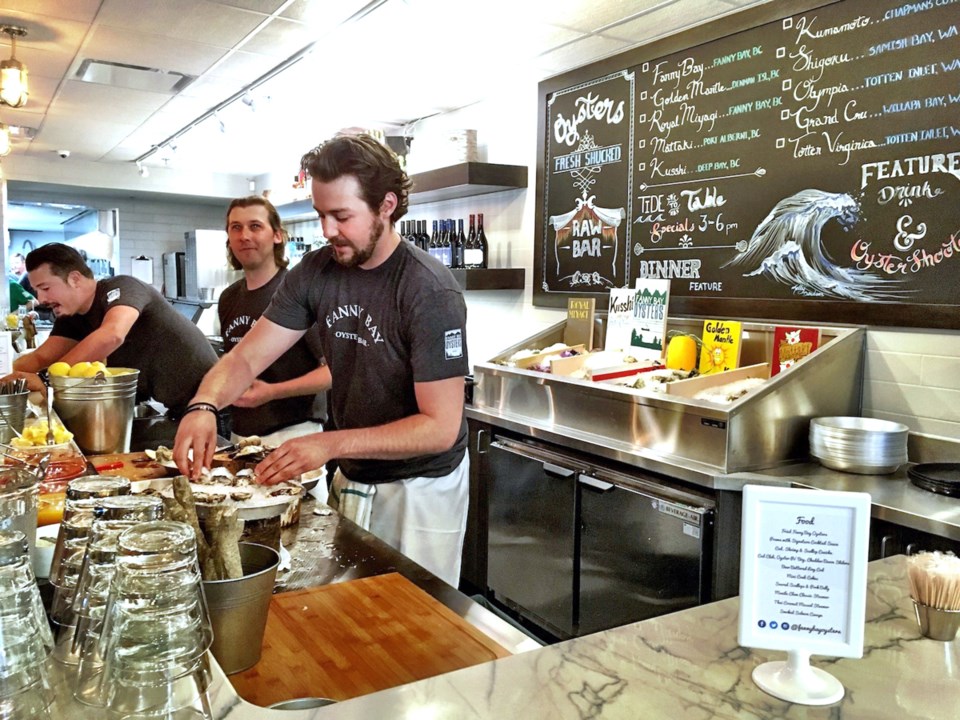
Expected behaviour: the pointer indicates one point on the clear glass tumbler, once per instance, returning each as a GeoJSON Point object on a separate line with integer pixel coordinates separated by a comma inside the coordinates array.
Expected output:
{"type": "Point", "coordinates": [25, 638]}
{"type": "Point", "coordinates": [91, 487]}
{"type": "Point", "coordinates": [156, 628]}
{"type": "Point", "coordinates": [113, 515]}
{"type": "Point", "coordinates": [19, 491]}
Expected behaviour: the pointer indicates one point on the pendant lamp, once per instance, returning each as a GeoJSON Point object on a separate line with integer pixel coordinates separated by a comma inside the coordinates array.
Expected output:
{"type": "Point", "coordinates": [13, 73]}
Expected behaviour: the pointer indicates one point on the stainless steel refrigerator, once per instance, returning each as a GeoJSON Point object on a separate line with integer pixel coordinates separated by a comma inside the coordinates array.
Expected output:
{"type": "Point", "coordinates": [576, 546]}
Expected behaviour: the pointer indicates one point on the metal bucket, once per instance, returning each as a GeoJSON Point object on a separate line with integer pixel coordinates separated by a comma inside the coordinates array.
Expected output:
{"type": "Point", "coordinates": [13, 410]}
{"type": "Point", "coordinates": [98, 411]}
{"type": "Point", "coordinates": [238, 608]}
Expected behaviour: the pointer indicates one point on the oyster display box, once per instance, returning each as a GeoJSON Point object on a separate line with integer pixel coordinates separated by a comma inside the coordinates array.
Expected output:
{"type": "Point", "coordinates": [765, 427]}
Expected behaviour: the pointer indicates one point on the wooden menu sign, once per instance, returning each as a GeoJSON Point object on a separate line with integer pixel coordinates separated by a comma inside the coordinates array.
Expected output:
{"type": "Point", "coordinates": [798, 167]}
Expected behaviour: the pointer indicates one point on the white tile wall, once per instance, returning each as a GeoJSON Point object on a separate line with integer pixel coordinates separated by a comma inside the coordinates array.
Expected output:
{"type": "Point", "coordinates": [913, 377]}
{"type": "Point", "coordinates": [148, 227]}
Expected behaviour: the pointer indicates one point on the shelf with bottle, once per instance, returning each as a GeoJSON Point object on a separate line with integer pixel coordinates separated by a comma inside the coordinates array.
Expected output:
{"type": "Point", "coordinates": [447, 183]}
{"type": "Point", "coordinates": [465, 254]}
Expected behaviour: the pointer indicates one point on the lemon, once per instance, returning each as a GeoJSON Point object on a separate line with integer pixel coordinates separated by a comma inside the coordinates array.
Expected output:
{"type": "Point", "coordinates": [80, 369]}
{"type": "Point", "coordinates": [13, 320]}
{"type": "Point", "coordinates": [682, 353]}
{"type": "Point", "coordinates": [95, 367]}
{"type": "Point", "coordinates": [60, 369]}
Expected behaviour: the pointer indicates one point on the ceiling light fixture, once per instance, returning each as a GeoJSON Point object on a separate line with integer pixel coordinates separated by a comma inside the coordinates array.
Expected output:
{"type": "Point", "coordinates": [244, 93]}
{"type": "Point", "coordinates": [143, 170]}
{"type": "Point", "coordinates": [13, 73]}
{"type": "Point", "coordinates": [4, 140]}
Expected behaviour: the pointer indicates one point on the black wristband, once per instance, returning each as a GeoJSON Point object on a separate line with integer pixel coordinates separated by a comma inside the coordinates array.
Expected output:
{"type": "Point", "coordinates": [205, 406]}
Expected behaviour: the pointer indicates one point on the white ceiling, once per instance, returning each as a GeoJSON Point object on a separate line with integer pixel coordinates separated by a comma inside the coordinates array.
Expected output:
{"type": "Point", "coordinates": [379, 62]}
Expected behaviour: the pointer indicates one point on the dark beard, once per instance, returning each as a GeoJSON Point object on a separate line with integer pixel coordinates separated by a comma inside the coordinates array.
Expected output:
{"type": "Point", "coordinates": [361, 256]}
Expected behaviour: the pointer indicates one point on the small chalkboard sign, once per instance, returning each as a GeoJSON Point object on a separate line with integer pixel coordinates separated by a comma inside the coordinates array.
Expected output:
{"type": "Point", "coordinates": [803, 574]}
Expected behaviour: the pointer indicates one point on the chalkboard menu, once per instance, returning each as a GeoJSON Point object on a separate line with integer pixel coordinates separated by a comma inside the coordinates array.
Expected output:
{"type": "Point", "coordinates": [801, 167]}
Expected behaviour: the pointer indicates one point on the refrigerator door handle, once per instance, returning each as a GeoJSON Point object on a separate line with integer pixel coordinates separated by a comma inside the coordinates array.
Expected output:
{"type": "Point", "coordinates": [557, 470]}
{"type": "Point", "coordinates": [592, 482]}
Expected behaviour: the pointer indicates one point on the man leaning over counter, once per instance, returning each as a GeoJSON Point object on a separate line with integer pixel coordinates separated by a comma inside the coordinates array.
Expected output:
{"type": "Point", "coordinates": [392, 322]}
{"type": "Point", "coordinates": [120, 319]}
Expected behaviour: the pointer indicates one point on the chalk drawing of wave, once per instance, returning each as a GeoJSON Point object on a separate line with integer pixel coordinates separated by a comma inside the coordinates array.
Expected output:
{"type": "Point", "coordinates": [786, 248]}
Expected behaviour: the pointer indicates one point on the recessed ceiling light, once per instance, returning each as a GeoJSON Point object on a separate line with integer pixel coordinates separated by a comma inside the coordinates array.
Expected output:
{"type": "Point", "coordinates": [134, 77]}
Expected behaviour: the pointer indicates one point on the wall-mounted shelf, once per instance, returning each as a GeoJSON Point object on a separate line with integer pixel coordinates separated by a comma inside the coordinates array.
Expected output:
{"type": "Point", "coordinates": [489, 278]}
{"type": "Point", "coordinates": [447, 183]}
{"type": "Point", "coordinates": [466, 180]}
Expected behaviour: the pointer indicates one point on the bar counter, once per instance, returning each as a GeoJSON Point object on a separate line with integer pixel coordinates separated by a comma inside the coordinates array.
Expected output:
{"type": "Point", "coordinates": [684, 665]}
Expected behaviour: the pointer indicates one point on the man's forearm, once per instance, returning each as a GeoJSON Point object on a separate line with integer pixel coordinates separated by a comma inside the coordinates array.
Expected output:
{"type": "Point", "coordinates": [97, 345]}
{"type": "Point", "coordinates": [311, 383]}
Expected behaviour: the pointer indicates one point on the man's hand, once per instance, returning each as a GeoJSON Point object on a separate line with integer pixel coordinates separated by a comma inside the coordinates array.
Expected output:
{"type": "Point", "coordinates": [257, 394]}
{"type": "Point", "coordinates": [294, 457]}
{"type": "Point", "coordinates": [34, 383]}
{"type": "Point", "coordinates": [197, 433]}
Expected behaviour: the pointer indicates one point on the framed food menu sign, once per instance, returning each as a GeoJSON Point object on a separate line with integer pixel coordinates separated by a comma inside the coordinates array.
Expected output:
{"type": "Point", "coordinates": [803, 570]}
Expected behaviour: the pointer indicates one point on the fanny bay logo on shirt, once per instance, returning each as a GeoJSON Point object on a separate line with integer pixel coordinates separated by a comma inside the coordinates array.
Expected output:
{"type": "Point", "coordinates": [453, 344]}
{"type": "Point", "coordinates": [113, 295]}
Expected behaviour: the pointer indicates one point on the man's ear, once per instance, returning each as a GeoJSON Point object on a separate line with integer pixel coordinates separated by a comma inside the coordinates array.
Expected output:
{"type": "Point", "coordinates": [74, 278]}
{"type": "Point", "coordinates": [388, 205]}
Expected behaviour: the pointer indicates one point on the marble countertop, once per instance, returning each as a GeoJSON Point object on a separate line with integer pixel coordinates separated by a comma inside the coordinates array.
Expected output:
{"type": "Point", "coordinates": [684, 665]}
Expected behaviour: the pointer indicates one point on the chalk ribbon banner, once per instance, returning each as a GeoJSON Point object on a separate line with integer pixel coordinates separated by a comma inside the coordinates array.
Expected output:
{"type": "Point", "coordinates": [803, 580]}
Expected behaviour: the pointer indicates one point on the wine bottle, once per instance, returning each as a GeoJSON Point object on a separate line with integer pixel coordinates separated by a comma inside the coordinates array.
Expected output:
{"type": "Point", "coordinates": [461, 245]}
{"type": "Point", "coordinates": [471, 254]}
{"type": "Point", "coordinates": [434, 248]}
{"type": "Point", "coordinates": [445, 247]}
{"type": "Point", "coordinates": [482, 241]}
{"type": "Point", "coordinates": [418, 234]}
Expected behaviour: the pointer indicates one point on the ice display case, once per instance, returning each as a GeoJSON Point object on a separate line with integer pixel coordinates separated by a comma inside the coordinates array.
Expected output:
{"type": "Point", "coordinates": [669, 431]}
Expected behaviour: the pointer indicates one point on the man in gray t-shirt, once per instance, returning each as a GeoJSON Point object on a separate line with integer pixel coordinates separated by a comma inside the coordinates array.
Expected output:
{"type": "Point", "coordinates": [393, 331]}
{"type": "Point", "coordinates": [119, 319]}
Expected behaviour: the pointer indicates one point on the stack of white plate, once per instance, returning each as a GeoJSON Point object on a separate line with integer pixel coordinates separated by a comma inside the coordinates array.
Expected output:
{"type": "Point", "coordinates": [858, 445]}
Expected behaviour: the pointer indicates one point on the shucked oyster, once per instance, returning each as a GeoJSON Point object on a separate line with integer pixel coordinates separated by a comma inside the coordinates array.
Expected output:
{"type": "Point", "coordinates": [209, 498]}
{"type": "Point", "coordinates": [244, 477]}
{"type": "Point", "coordinates": [285, 490]}
{"type": "Point", "coordinates": [162, 454]}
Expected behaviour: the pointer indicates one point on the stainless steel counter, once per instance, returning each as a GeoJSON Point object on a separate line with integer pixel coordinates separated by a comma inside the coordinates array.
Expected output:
{"type": "Point", "coordinates": [894, 498]}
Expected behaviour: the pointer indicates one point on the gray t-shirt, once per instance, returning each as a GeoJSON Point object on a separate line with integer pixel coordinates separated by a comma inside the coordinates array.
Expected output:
{"type": "Point", "coordinates": [381, 331]}
{"type": "Point", "coordinates": [170, 352]}
{"type": "Point", "coordinates": [239, 309]}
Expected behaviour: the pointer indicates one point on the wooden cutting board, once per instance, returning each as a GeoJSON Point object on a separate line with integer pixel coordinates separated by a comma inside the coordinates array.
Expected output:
{"type": "Point", "coordinates": [134, 466]}
{"type": "Point", "coordinates": [348, 639]}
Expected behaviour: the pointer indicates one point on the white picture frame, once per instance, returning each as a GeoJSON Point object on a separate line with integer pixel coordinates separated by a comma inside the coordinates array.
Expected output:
{"type": "Point", "coordinates": [803, 570]}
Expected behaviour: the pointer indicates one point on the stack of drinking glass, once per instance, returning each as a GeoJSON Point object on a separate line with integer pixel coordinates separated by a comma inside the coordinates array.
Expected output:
{"type": "Point", "coordinates": [84, 498]}
{"type": "Point", "coordinates": [128, 606]}
{"type": "Point", "coordinates": [25, 638]}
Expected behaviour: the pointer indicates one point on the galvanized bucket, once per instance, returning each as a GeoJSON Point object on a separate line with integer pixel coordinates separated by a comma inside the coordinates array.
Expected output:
{"type": "Point", "coordinates": [13, 410]}
{"type": "Point", "coordinates": [98, 410]}
{"type": "Point", "coordinates": [238, 608]}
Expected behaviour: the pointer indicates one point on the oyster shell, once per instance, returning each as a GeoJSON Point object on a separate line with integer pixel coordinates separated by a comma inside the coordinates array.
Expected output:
{"type": "Point", "coordinates": [241, 495]}
{"type": "Point", "coordinates": [284, 490]}
{"type": "Point", "coordinates": [209, 498]}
